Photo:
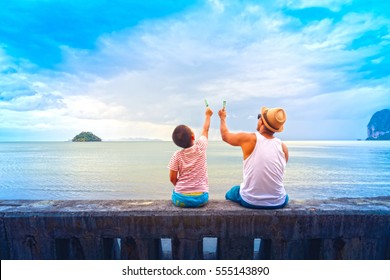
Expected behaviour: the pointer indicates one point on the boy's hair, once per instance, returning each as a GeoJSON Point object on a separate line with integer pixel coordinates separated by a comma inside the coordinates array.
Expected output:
{"type": "Point", "coordinates": [181, 136]}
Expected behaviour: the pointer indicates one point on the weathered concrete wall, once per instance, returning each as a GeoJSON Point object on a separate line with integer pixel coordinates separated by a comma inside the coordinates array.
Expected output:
{"type": "Point", "coordinates": [123, 229]}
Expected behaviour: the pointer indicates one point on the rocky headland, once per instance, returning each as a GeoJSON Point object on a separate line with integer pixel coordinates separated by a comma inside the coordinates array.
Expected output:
{"type": "Point", "coordinates": [379, 126]}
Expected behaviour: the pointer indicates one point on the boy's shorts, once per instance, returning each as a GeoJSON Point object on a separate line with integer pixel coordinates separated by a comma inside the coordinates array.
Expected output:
{"type": "Point", "coordinates": [190, 199]}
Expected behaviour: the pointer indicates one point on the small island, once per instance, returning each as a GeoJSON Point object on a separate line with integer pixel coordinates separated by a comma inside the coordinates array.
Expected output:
{"type": "Point", "coordinates": [86, 137]}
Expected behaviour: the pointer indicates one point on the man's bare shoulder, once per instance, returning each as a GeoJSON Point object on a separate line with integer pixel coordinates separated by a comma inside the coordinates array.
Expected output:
{"type": "Point", "coordinates": [241, 138]}
{"type": "Point", "coordinates": [247, 135]}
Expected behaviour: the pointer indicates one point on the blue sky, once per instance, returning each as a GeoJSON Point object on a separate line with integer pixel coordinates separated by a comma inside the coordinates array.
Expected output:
{"type": "Point", "coordinates": [124, 69]}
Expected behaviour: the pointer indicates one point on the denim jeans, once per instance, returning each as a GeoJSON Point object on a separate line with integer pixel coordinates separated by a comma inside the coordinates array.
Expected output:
{"type": "Point", "coordinates": [234, 195]}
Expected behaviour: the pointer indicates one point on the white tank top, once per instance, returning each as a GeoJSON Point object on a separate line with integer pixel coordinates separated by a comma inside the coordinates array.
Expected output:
{"type": "Point", "coordinates": [263, 173]}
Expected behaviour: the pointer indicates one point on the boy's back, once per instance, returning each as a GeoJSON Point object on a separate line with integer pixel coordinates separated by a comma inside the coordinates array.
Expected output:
{"type": "Point", "coordinates": [191, 163]}
{"type": "Point", "coordinates": [188, 167]}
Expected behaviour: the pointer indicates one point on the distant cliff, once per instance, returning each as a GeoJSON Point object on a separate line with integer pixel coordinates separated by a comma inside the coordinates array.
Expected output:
{"type": "Point", "coordinates": [379, 126]}
{"type": "Point", "coordinates": [86, 137]}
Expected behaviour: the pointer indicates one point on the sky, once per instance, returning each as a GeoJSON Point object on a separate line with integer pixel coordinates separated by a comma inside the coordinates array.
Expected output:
{"type": "Point", "coordinates": [136, 69]}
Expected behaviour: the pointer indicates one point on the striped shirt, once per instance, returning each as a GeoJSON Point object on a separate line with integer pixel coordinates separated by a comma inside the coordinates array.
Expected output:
{"type": "Point", "coordinates": [191, 164]}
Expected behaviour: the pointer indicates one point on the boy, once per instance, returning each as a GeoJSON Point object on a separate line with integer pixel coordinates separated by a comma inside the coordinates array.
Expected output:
{"type": "Point", "coordinates": [188, 167]}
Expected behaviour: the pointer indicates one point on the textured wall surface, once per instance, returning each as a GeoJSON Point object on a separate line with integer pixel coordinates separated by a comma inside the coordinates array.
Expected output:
{"type": "Point", "coordinates": [125, 229]}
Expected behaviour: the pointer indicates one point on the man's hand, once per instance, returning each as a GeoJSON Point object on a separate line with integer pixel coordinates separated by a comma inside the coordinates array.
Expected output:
{"type": "Point", "coordinates": [222, 114]}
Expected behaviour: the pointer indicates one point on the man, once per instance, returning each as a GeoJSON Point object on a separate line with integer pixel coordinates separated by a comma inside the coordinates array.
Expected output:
{"type": "Point", "coordinates": [265, 159]}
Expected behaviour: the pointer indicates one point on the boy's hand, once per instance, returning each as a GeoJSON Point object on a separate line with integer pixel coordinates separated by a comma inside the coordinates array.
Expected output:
{"type": "Point", "coordinates": [209, 112]}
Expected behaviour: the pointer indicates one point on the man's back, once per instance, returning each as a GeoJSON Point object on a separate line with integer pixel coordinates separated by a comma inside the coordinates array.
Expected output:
{"type": "Point", "coordinates": [263, 173]}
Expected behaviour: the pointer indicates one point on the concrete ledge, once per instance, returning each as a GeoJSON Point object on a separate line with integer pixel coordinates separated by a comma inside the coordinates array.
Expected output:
{"type": "Point", "coordinates": [349, 228]}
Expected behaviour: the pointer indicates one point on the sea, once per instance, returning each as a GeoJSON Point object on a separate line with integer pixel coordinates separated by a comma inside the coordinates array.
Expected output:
{"type": "Point", "coordinates": [137, 170]}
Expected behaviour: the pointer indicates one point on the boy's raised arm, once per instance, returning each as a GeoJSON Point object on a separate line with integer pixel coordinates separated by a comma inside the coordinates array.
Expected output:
{"type": "Point", "coordinates": [206, 124]}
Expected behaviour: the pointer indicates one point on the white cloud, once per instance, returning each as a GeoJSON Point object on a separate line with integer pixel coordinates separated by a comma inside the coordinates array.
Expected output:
{"type": "Point", "coordinates": [86, 107]}
{"type": "Point", "coordinates": [333, 5]}
{"type": "Point", "coordinates": [236, 55]}
{"type": "Point", "coordinates": [217, 5]}
{"type": "Point", "coordinates": [144, 81]}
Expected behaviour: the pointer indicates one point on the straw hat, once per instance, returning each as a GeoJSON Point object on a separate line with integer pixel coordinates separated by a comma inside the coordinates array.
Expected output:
{"type": "Point", "coordinates": [273, 118]}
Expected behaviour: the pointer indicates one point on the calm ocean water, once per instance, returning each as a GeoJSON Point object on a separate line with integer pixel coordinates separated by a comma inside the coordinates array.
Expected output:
{"type": "Point", "coordinates": [137, 170]}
